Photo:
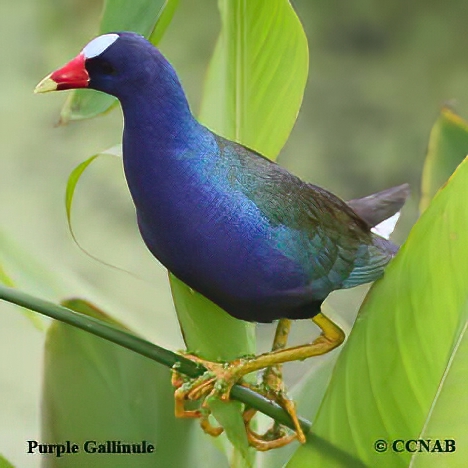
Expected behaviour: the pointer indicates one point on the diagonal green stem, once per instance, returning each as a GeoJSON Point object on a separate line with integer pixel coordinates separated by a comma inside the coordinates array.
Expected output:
{"type": "Point", "coordinates": [145, 348]}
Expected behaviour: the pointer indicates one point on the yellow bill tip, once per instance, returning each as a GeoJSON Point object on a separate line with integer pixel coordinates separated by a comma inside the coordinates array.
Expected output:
{"type": "Point", "coordinates": [46, 85]}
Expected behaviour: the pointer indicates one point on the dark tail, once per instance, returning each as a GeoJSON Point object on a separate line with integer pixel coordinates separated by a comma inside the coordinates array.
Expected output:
{"type": "Point", "coordinates": [380, 206]}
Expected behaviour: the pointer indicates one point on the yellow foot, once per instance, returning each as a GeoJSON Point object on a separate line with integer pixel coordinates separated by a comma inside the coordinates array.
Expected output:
{"type": "Point", "coordinates": [275, 437]}
{"type": "Point", "coordinates": [219, 379]}
{"type": "Point", "coordinates": [217, 382]}
{"type": "Point", "coordinates": [278, 435]}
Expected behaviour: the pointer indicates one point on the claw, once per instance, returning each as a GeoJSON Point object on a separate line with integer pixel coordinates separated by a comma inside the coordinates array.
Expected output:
{"type": "Point", "coordinates": [219, 379]}
{"type": "Point", "coordinates": [275, 437]}
{"type": "Point", "coordinates": [209, 429]}
{"type": "Point", "coordinates": [217, 382]}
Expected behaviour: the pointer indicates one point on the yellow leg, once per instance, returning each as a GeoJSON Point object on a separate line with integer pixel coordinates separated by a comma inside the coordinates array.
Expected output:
{"type": "Point", "coordinates": [220, 378]}
{"type": "Point", "coordinates": [274, 375]}
{"type": "Point", "coordinates": [330, 338]}
{"type": "Point", "coordinates": [274, 389]}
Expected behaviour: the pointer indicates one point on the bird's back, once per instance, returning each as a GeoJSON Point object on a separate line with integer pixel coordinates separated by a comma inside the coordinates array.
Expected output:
{"type": "Point", "coordinates": [311, 225]}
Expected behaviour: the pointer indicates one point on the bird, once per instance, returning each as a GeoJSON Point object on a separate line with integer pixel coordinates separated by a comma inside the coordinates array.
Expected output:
{"type": "Point", "coordinates": [234, 226]}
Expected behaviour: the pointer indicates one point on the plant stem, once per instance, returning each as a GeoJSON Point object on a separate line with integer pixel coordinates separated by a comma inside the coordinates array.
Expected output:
{"type": "Point", "coordinates": [145, 348]}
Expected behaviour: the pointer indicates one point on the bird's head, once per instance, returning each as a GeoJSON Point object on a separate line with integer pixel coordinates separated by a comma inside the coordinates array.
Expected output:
{"type": "Point", "coordinates": [114, 63]}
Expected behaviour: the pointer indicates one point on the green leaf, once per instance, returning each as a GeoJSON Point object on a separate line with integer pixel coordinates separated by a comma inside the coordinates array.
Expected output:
{"type": "Point", "coordinates": [72, 182]}
{"type": "Point", "coordinates": [73, 179]}
{"type": "Point", "coordinates": [229, 416]}
{"type": "Point", "coordinates": [85, 104]}
{"type": "Point", "coordinates": [149, 18]}
{"type": "Point", "coordinates": [449, 413]}
{"type": "Point", "coordinates": [4, 463]}
{"type": "Point", "coordinates": [209, 331]}
{"type": "Point", "coordinates": [139, 16]}
{"type": "Point", "coordinates": [96, 390]}
{"type": "Point", "coordinates": [75, 176]}
{"type": "Point", "coordinates": [257, 75]}
{"type": "Point", "coordinates": [392, 379]}
{"type": "Point", "coordinates": [448, 146]}
{"type": "Point", "coordinates": [163, 21]}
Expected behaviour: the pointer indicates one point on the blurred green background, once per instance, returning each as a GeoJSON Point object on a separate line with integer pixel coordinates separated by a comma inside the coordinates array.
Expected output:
{"type": "Point", "coordinates": [379, 72]}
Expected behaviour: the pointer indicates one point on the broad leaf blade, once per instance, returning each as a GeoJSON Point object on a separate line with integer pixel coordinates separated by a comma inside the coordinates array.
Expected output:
{"type": "Point", "coordinates": [390, 373]}
{"type": "Point", "coordinates": [96, 390]}
{"type": "Point", "coordinates": [149, 18]}
{"type": "Point", "coordinates": [139, 16]}
{"type": "Point", "coordinates": [84, 104]}
{"type": "Point", "coordinates": [229, 416]}
{"type": "Point", "coordinates": [257, 75]}
{"type": "Point", "coordinates": [209, 331]}
{"type": "Point", "coordinates": [448, 146]}
{"type": "Point", "coordinates": [448, 416]}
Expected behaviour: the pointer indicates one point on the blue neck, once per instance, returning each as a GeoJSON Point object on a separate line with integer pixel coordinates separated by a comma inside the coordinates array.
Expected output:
{"type": "Point", "coordinates": [164, 146]}
{"type": "Point", "coordinates": [159, 114]}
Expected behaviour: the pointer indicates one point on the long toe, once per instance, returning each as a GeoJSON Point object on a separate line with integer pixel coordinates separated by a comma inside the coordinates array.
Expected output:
{"type": "Point", "coordinates": [275, 437]}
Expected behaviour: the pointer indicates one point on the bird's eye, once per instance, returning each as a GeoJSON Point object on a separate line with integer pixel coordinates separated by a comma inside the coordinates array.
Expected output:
{"type": "Point", "coordinates": [107, 68]}
{"type": "Point", "coordinates": [97, 66]}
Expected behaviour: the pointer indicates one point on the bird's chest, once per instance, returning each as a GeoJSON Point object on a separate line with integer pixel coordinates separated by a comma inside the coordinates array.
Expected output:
{"type": "Point", "coordinates": [192, 223]}
{"type": "Point", "coordinates": [205, 231]}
